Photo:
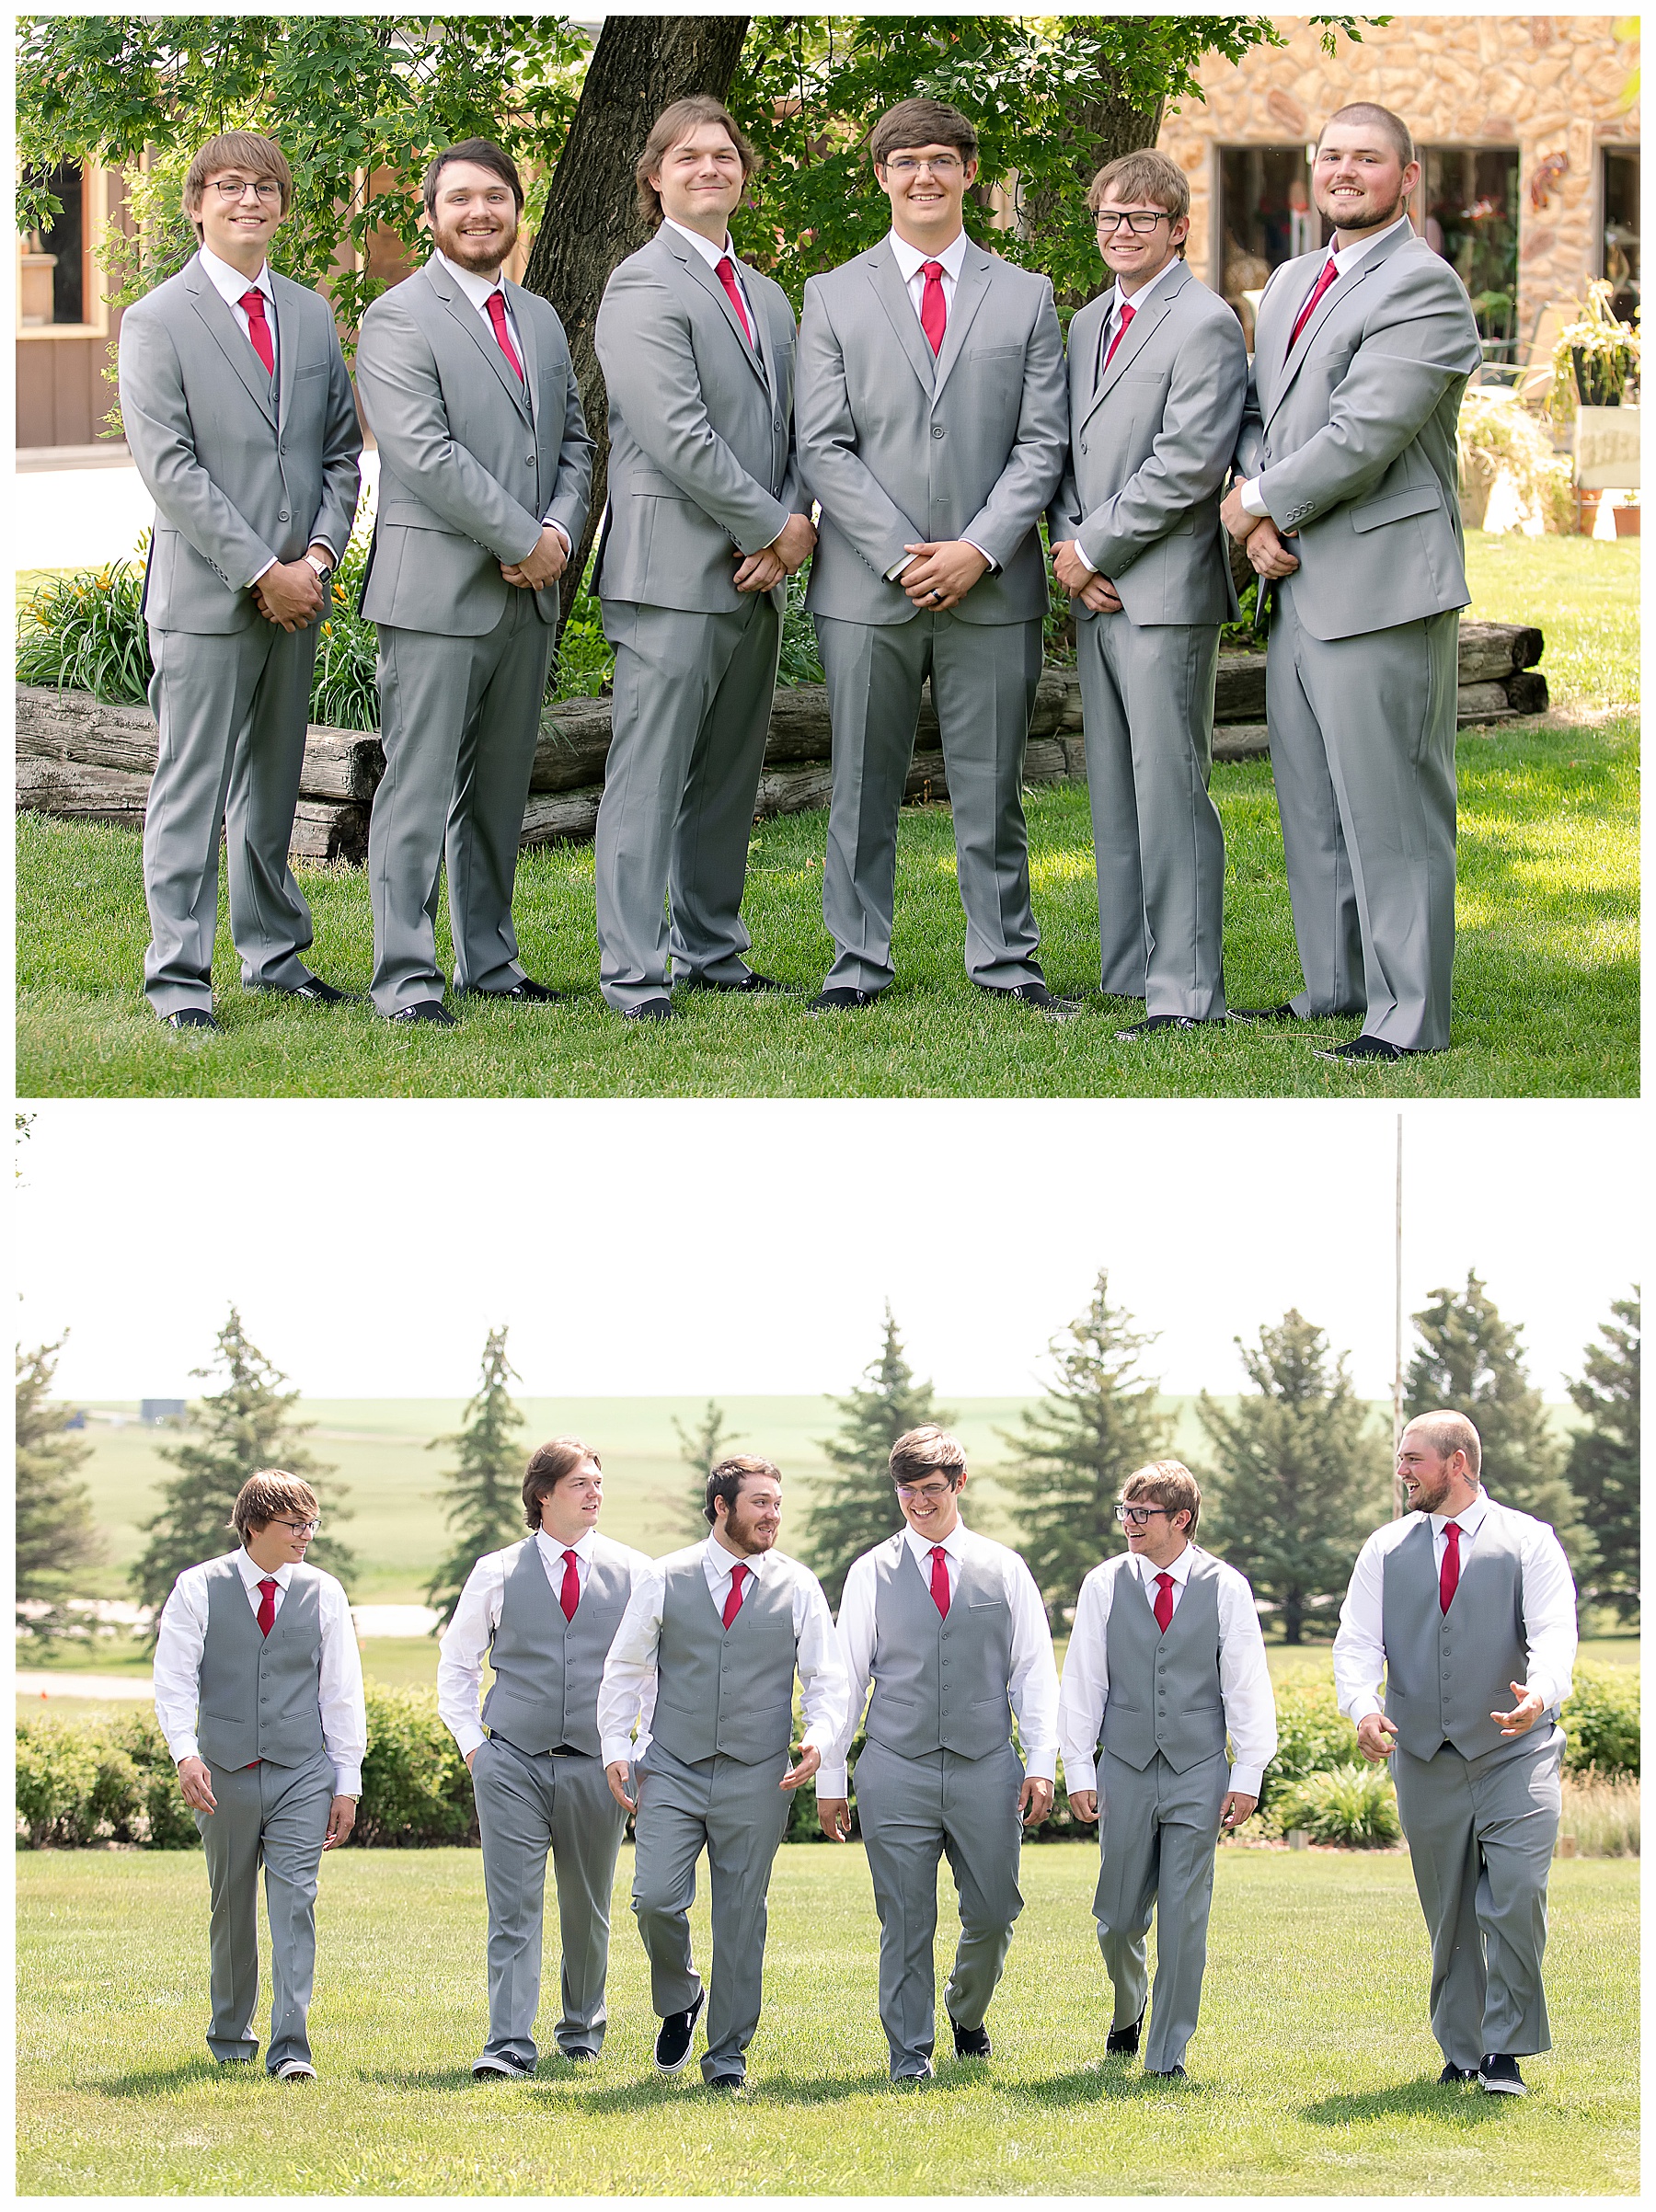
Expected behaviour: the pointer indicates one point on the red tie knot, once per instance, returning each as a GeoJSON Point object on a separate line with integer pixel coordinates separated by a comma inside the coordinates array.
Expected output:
{"type": "Point", "coordinates": [267, 1605]}
{"type": "Point", "coordinates": [932, 271]}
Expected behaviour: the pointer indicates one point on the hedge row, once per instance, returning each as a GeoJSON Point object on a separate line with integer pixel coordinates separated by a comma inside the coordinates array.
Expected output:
{"type": "Point", "coordinates": [82, 1782]}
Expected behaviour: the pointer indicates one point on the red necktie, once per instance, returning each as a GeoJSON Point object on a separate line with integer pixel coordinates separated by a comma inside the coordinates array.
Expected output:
{"type": "Point", "coordinates": [497, 316]}
{"type": "Point", "coordinates": [1449, 1573]}
{"type": "Point", "coordinates": [934, 313]}
{"type": "Point", "coordinates": [1162, 1607]}
{"type": "Point", "coordinates": [940, 1579]}
{"type": "Point", "coordinates": [733, 1603]}
{"type": "Point", "coordinates": [1127, 313]}
{"type": "Point", "coordinates": [1328, 274]}
{"type": "Point", "coordinates": [267, 1606]}
{"type": "Point", "coordinates": [259, 330]}
{"type": "Point", "coordinates": [570, 1595]}
{"type": "Point", "coordinates": [726, 273]}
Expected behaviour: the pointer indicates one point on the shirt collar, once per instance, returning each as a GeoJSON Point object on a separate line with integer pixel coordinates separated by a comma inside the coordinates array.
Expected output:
{"type": "Point", "coordinates": [1468, 1520]}
{"type": "Point", "coordinates": [230, 283]}
{"type": "Point", "coordinates": [712, 255]}
{"type": "Point", "coordinates": [1348, 255]}
{"type": "Point", "coordinates": [1179, 1570]}
{"type": "Point", "coordinates": [252, 1574]}
{"type": "Point", "coordinates": [551, 1548]}
{"type": "Point", "coordinates": [910, 258]}
{"type": "Point", "coordinates": [724, 1560]}
{"type": "Point", "coordinates": [921, 1546]}
{"type": "Point", "coordinates": [1144, 291]}
{"type": "Point", "coordinates": [476, 288]}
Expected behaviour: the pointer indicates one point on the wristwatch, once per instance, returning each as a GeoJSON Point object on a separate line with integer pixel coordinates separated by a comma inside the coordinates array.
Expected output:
{"type": "Point", "coordinates": [323, 571]}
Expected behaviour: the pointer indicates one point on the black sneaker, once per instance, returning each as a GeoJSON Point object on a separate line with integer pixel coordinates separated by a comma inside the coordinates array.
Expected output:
{"type": "Point", "coordinates": [189, 1017]}
{"type": "Point", "coordinates": [838, 998]}
{"type": "Point", "coordinates": [1125, 2039]}
{"type": "Point", "coordinates": [1499, 2075]}
{"type": "Point", "coordinates": [430, 1011]}
{"type": "Point", "coordinates": [1453, 2074]}
{"type": "Point", "coordinates": [971, 2042]}
{"type": "Point", "coordinates": [499, 2065]}
{"type": "Point", "coordinates": [672, 2040]}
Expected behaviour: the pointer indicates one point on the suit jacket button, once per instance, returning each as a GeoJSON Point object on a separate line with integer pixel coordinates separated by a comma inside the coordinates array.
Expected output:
{"type": "Point", "coordinates": [529, 460]}
{"type": "Point", "coordinates": [937, 429]}
{"type": "Point", "coordinates": [282, 516]}
{"type": "Point", "coordinates": [1085, 448]}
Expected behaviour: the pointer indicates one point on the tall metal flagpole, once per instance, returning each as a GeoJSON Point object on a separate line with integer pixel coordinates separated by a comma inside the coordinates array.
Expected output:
{"type": "Point", "coordinates": [1398, 1338]}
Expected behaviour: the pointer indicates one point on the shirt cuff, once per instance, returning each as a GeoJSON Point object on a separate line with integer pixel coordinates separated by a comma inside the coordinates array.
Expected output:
{"type": "Point", "coordinates": [616, 1748]}
{"type": "Point", "coordinates": [993, 569]}
{"type": "Point", "coordinates": [183, 1747]}
{"type": "Point", "coordinates": [1363, 1704]}
{"type": "Point", "coordinates": [264, 571]}
{"type": "Point", "coordinates": [1080, 552]}
{"type": "Point", "coordinates": [1085, 1776]}
{"type": "Point", "coordinates": [1249, 1781]}
{"type": "Point", "coordinates": [1043, 1766]}
{"type": "Point", "coordinates": [897, 568]}
{"type": "Point", "coordinates": [548, 523]}
{"type": "Point", "coordinates": [348, 1781]}
{"type": "Point", "coordinates": [1251, 501]}
{"type": "Point", "coordinates": [830, 1781]}
{"type": "Point", "coordinates": [469, 1736]}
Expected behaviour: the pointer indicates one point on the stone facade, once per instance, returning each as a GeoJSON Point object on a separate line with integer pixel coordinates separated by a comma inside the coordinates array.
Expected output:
{"type": "Point", "coordinates": [1555, 86]}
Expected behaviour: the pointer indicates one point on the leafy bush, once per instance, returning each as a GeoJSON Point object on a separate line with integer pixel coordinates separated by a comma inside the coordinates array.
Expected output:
{"type": "Point", "coordinates": [416, 1789]}
{"type": "Point", "coordinates": [1600, 1720]}
{"type": "Point", "coordinates": [84, 632]}
{"type": "Point", "coordinates": [1313, 1737]}
{"type": "Point", "coordinates": [1499, 434]}
{"type": "Point", "coordinates": [1354, 1805]}
{"type": "Point", "coordinates": [82, 1782]}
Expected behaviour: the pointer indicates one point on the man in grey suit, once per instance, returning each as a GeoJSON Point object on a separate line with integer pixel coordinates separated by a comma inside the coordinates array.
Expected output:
{"type": "Point", "coordinates": [1349, 508]}
{"type": "Point", "coordinates": [239, 415]}
{"type": "Point", "coordinates": [706, 521]}
{"type": "Point", "coordinates": [1469, 1607]}
{"type": "Point", "coordinates": [258, 1692]}
{"type": "Point", "coordinates": [1156, 373]}
{"type": "Point", "coordinates": [950, 1628]}
{"type": "Point", "coordinates": [719, 1630]}
{"type": "Point", "coordinates": [1165, 1661]}
{"type": "Point", "coordinates": [545, 1612]}
{"type": "Point", "coordinates": [485, 467]}
{"type": "Point", "coordinates": [932, 429]}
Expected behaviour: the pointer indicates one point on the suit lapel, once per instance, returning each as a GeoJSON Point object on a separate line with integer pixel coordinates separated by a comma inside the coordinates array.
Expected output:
{"type": "Point", "coordinates": [971, 292]}
{"type": "Point", "coordinates": [226, 334]}
{"type": "Point", "coordinates": [528, 342]}
{"type": "Point", "coordinates": [706, 280]}
{"type": "Point", "coordinates": [287, 345]}
{"type": "Point", "coordinates": [764, 348]}
{"type": "Point", "coordinates": [1145, 321]}
{"type": "Point", "coordinates": [481, 336]}
{"type": "Point", "coordinates": [892, 295]}
{"type": "Point", "coordinates": [1332, 303]}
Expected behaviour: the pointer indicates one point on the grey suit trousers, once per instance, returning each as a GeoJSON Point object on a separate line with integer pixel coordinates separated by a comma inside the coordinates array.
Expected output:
{"type": "Point", "coordinates": [692, 710]}
{"type": "Point", "coordinates": [1158, 1832]}
{"type": "Point", "coordinates": [279, 1815]}
{"type": "Point", "coordinates": [1147, 711]}
{"type": "Point", "coordinates": [914, 1812]}
{"type": "Point", "coordinates": [738, 1814]}
{"type": "Point", "coordinates": [528, 1804]}
{"type": "Point", "coordinates": [1362, 752]}
{"type": "Point", "coordinates": [460, 718]}
{"type": "Point", "coordinates": [1480, 1834]}
{"type": "Point", "coordinates": [231, 711]}
{"type": "Point", "coordinates": [984, 677]}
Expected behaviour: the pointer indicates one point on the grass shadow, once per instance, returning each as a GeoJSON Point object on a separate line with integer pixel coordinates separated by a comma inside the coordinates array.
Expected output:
{"type": "Point", "coordinates": [160, 2080]}
{"type": "Point", "coordinates": [426, 2078]}
{"type": "Point", "coordinates": [1464, 2104]}
{"type": "Point", "coordinates": [1119, 2081]}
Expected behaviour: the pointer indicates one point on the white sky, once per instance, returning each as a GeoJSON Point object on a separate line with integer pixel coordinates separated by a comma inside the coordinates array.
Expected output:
{"type": "Point", "coordinates": [728, 1247]}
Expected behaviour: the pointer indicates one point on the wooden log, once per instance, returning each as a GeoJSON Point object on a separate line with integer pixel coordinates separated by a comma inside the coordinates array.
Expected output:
{"type": "Point", "coordinates": [1527, 691]}
{"type": "Point", "coordinates": [799, 726]}
{"type": "Point", "coordinates": [561, 818]}
{"type": "Point", "coordinates": [84, 790]}
{"type": "Point", "coordinates": [341, 765]}
{"type": "Point", "coordinates": [1481, 703]}
{"type": "Point", "coordinates": [1495, 649]}
{"type": "Point", "coordinates": [73, 726]}
{"type": "Point", "coordinates": [1241, 742]}
{"type": "Point", "coordinates": [325, 831]}
{"type": "Point", "coordinates": [1240, 688]}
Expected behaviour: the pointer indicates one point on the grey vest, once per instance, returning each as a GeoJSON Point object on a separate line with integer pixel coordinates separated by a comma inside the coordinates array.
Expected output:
{"type": "Point", "coordinates": [1448, 1672]}
{"type": "Point", "coordinates": [1164, 1689]}
{"type": "Point", "coordinates": [724, 1691]}
{"type": "Point", "coordinates": [547, 1669]}
{"type": "Point", "coordinates": [260, 1696]}
{"type": "Point", "coordinates": [940, 1684]}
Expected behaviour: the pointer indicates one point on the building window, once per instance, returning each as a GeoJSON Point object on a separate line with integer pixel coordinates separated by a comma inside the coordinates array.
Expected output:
{"type": "Point", "coordinates": [58, 277]}
{"type": "Point", "coordinates": [1620, 256]}
{"type": "Point", "coordinates": [1265, 218]}
{"type": "Point", "coordinates": [1467, 212]}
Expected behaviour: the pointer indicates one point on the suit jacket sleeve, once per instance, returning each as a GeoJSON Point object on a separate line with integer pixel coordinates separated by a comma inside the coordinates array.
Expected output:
{"type": "Point", "coordinates": [1064, 516]}
{"type": "Point", "coordinates": [155, 416]}
{"type": "Point", "coordinates": [835, 472]}
{"type": "Point", "coordinates": [572, 489]}
{"type": "Point", "coordinates": [1422, 340]}
{"type": "Point", "coordinates": [1192, 450]}
{"type": "Point", "coordinates": [341, 457]}
{"type": "Point", "coordinates": [402, 398]}
{"type": "Point", "coordinates": [1040, 449]}
{"type": "Point", "coordinates": [649, 363]}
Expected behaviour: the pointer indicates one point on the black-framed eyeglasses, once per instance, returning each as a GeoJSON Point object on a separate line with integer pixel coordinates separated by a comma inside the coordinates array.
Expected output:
{"type": "Point", "coordinates": [924, 1489]}
{"type": "Point", "coordinates": [1138, 1517]}
{"type": "Point", "coordinates": [1140, 222]}
{"type": "Point", "coordinates": [300, 1528]}
{"type": "Point", "coordinates": [238, 187]}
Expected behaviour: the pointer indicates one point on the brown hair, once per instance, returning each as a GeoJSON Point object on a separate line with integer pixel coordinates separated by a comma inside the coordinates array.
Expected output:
{"type": "Point", "coordinates": [1168, 1484]}
{"type": "Point", "coordinates": [670, 128]}
{"type": "Point", "coordinates": [235, 150]}
{"type": "Point", "coordinates": [562, 1456]}
{"type": "Point", "coordinates": [927, 1450]}
{"type": "Point", "coordinates": [727, 1478]}
{"type": "Point", "coordinates": [272, 1495]}
{"type": "Point", "coordinates": [1448, 1433]}
{"type": "Point", "coordinates": [485, 155]}
{"type": "Point", "coordinates": [921, 122]}
{"type": "Point", "coordinates": [1145, 175]}
{"type": "Point", "coordinates": [1391, 126]}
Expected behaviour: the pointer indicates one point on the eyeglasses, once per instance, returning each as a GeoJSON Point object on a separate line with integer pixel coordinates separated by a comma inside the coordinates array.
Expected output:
{"type": "Point", "coordinates": [1140, 222]}
{"type": "Point", "coordinates": [300, 1528]}
{"type": "Point", "coordinates": [238, 187]}
{"type": "Point", "coordinates": [932, 1490]}
{"type": "Point", "coordinates": [1138, 1517]}
{"type": "Point", "coordinates": [945, 166]}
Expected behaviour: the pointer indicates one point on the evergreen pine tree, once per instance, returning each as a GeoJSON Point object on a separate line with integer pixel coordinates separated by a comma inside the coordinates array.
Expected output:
{"type": "Point", "coordinates": [856, 1508]}
{"type": "Point", "coordinates": [1302, 1474]}
{"type": "Point", "coordinates": [57, 1535]}
{"type": "Point", "coordinates": [1471, 1362]}
{"type": "Point", "coordinates": [1097, 1425]}
{"type": "Point", "coordinates": [484, 1496]}
{"type": "Point", "coordinates": [246, 1429]}
{"type": "Point", "coordinates": [1604, 1456]}
{"type": "Point", "coordinates": [700, 1449]}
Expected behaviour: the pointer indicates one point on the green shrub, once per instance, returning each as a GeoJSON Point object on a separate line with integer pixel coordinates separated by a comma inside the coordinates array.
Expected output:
{"type": "Point", "coordinates": [1313, 1735]}
{"type": "Point", "coordinates": [1600, 1720]}
{"type": "Point", "coordinates": [1354, 1805]}
{"type": "Point", "coordinates": [416, 1789]}
{"type": "Point", "coordinates": [82, 1782]}
{"type": "Point", "coordinates": [84, 632]}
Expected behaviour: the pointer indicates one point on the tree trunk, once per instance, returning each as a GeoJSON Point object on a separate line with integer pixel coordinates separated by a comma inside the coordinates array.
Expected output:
{"type": "Point", "coordinates": [1105, 127]}
{"type": "Point", "coordinates": [640, 64]}
{"type": "Point", "coordinates": [1293, 1618]}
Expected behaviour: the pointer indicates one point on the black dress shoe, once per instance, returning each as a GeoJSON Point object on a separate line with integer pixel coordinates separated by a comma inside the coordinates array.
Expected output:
{"type": "Point", "coordinates": [1038, 996]}
{"type": "Point", "coordinates": [189, 1017]}
{"type": "Point", "coordinates": [1500, 2075]}
{"type": "Point", "coordinates": [1456, 2073]}
{"type": "Point", "coordinates": [750, 982]}
{"type": "Point", "coordinates": [1165, 2073]}
{"type": "Point", "coordinates": [1124, 2039]}
{"type": "Point", "coordinates": [837, 997]}
{"type": "Point", "coordinates": [672, 2038]}
{"type": "Point", "coordinates": [525, 990]}
{"type": "Point", "coordinates": [648, 1010]}
{"type": "Point", "coordinates": [1370, 1047]}
{"type": "Point", "coordinates": [1152, 1023]}
{"type": "Point", "coordinates": [426, 1010]}
{"type": "Point", "coordinates": [971, 2042]}
{"type": "Point", "coordinates": [578, 2052]}
{"type": "Point", "coordinates": [1283, 1013]}
{"type": "Point", "coordinates": [315, 993]}
{"type": "Point", "coordinates": [730, 2082]}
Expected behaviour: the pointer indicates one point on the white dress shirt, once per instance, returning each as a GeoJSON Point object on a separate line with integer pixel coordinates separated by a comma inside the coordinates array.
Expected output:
{"type": "Point", "coordinates": [1107, 330]}
{"type": "Point", "coordinates": [1033, 1684]}
{"type": "Point", "coordinates": [630, 1674]}
{"type": "Point", "coordinates": [1244, 1677]}
{"type": "Point", "coordinates": [1344, 258]}
{"type": "Point", "coordinates": [182, 1636]}
{"type": "Point", "coordinates": [479, 291]}
{"type": "Point", "coordinates": [911, 263]}
{"type": "Point", "coordinates": [1549, 1605]}
{"type": "Point", "coordinates": [713, 255]}
{"type": "Point", "coordinates": [465, 1641]}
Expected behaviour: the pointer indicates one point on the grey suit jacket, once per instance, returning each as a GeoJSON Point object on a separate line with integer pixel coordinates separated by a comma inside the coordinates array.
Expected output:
{"type": "Point", "coordinates": [903, 449]}
{"type": "Point", "coordinates": [1353, 436]}
{"type": "Point", "coordinates": [701, 429]}
{"type": "Point", "coordinates": [1150, 446]}
{"type": "Point", "coordinates": [468, 470]}
{"type": "Point", "coordinates": [237, 481]}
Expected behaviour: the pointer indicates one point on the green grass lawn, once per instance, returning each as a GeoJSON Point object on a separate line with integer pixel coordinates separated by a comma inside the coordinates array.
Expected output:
{"type": "Point", "coordinates": [1546, 988]}
{"type": "Point", "coordinates": [1313, 2072]}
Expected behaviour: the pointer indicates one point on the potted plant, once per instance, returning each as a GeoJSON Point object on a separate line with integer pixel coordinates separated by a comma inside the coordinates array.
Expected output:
{"type": "Point", "coordinates": [1595, 357]}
